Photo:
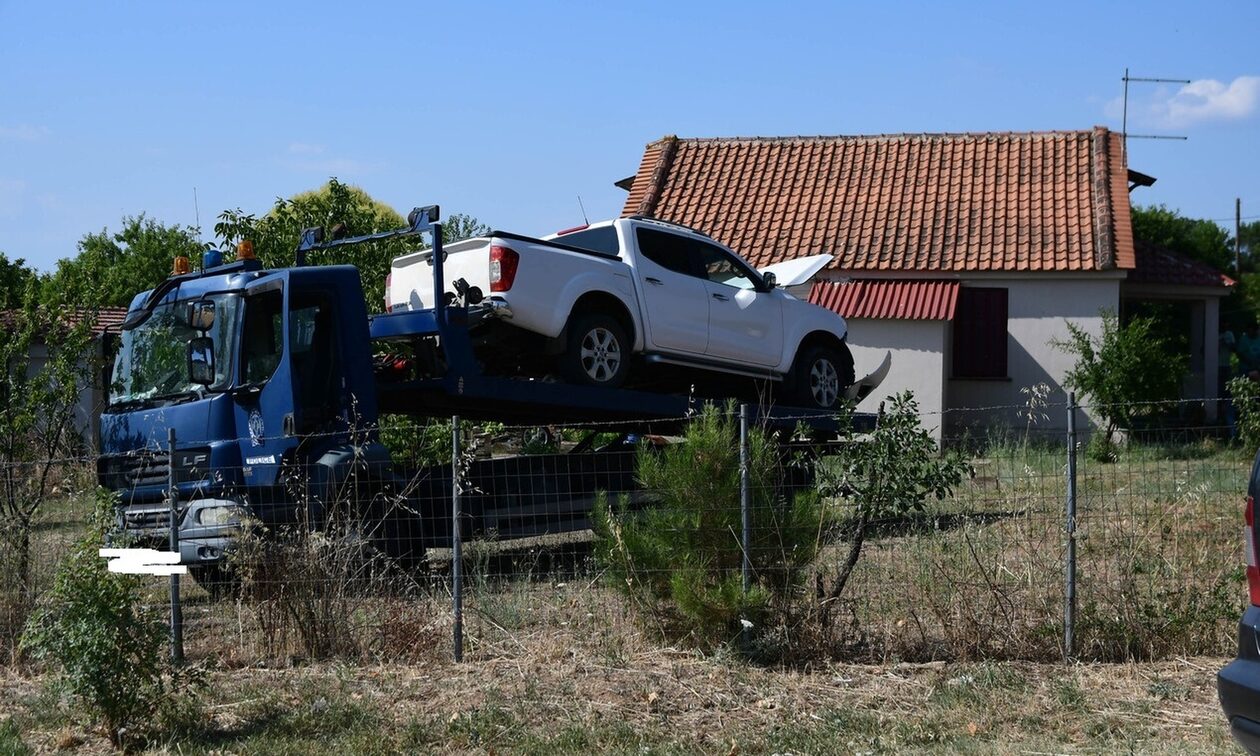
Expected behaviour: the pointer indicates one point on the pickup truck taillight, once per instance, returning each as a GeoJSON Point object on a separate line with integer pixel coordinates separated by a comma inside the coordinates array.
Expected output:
{"type": "Point", "coordinates": [503, 263]}
{"type": "Point", "coordinates": [1249, 549]}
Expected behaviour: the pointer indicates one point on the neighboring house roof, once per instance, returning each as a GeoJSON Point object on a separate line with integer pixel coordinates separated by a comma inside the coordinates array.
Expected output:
{"type": "Point", "coordinates": [107, 319]}
{"type": "Point", "coordinates": [888, 300]}
{"type": "Point", "coordinates": [1158, 265]}
{"type": "Point", "coordinates": [1035, 201]}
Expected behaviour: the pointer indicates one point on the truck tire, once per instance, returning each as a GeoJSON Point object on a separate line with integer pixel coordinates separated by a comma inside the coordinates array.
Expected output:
{"type": "Point", "coordinates": [597, 352]}
{"type": "Point", "coordinates": [821, 376]}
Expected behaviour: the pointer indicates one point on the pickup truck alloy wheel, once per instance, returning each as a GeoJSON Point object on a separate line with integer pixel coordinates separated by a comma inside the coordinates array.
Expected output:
{"type": "Point", "coordinates": [597, 353]}
{"type": "Point", "coordinates": [601, 354]}
{"type": "Point", "coordinates": [822, 376]}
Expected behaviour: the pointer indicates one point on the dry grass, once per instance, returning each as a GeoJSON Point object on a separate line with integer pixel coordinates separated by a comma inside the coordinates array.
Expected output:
{"type": "Point", "coordinates": [569, 680]}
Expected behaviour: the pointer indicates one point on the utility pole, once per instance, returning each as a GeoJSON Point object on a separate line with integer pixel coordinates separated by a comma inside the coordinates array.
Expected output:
{"type": "Point", "coordinates": [1238, 236]}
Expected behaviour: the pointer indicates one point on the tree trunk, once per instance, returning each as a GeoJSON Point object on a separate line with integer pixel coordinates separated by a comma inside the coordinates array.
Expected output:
{"type": "Point", "coordinates": [828, 599]}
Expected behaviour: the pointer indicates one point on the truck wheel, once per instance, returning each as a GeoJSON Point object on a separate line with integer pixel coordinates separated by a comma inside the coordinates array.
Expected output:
{"type": "Point", "coordinates": [598, 352]}
{"type": "Point", "coordinates": [822, 375]}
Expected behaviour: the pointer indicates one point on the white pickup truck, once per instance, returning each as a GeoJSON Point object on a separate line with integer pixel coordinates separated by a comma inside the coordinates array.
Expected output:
{"type": "Point", "coordinates": [596, 299]}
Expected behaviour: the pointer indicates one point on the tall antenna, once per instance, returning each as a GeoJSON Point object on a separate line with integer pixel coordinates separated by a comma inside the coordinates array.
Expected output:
{"type": "Point", "coordinates": [1124, 122]}
{"type": "Point", "coordinates": [583, 208]}
{"type": "Point", "coordinates": [197, 213]}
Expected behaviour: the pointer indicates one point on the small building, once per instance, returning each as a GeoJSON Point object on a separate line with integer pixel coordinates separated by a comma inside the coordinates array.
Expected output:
{"type": "Point", "coordinates": [965, 255]}
{"type": "Point", "coordinates": [94, 394]}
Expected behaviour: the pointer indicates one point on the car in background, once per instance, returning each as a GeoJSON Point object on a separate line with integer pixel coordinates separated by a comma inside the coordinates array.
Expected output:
{"type": "Point", "coordinates": [1238, 684]}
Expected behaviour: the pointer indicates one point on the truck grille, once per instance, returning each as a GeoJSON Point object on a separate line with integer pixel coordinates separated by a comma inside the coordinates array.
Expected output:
{"type": "Point", "coordinates": [122, 472]}
{"type": "Point", "coordinates": [146, 519]}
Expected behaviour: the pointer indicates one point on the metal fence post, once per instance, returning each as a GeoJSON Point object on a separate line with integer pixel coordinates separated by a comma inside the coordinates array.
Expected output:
{"type": "Point", "coordinates": [1069, 608]}
{"type": "Point", "coordinates": [177, 612]}
{"type": "Point", "coordinates": [745, 504]}
{"type": "Point", "coordinates": [457, 577]}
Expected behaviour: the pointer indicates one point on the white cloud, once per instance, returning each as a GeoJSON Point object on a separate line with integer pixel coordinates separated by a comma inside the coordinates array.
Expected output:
{"type": "Point", "coordinates": [1210, 100]}
{"type": "Point", "coordinates": [22, 132]}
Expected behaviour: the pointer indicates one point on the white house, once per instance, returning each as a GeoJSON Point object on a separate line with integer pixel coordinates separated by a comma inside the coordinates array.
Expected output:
{"type": "Point", "coordinates": [963, 254]}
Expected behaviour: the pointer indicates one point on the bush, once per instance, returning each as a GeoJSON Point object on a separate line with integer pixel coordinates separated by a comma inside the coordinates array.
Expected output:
{"type": "Point", "coordinates": [1246, 396]}
{"type": "Point", "coordinates": [1126, 373]}
{"type": "Point", "coordinates": [681, 558]}
{"type": "Point", "coordinates": [107, 647]}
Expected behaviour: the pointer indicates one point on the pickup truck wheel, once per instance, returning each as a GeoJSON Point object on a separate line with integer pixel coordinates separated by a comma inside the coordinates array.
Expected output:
{"type": "Point", "coordinates": [823, 374]}
{"type": "Point", "coordinates": [598, 352]}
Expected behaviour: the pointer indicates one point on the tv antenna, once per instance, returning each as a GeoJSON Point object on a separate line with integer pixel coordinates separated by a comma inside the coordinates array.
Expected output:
{"type": "Point", "coordinates": [1124, 122]}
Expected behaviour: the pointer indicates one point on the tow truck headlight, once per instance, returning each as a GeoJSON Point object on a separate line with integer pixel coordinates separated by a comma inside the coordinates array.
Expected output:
{"type": "Point", "coordinates": [216, 515]}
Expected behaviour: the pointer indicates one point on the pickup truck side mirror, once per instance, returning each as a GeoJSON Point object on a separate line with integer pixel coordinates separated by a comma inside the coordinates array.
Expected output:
{"type": "Point", "coordinates": [771, 280]}
{"type": "Point", "coordinates": [201, 360]}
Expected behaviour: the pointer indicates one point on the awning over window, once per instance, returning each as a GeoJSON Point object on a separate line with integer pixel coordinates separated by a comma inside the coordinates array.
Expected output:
{"type": "Point", "coordinates": [888, 300]}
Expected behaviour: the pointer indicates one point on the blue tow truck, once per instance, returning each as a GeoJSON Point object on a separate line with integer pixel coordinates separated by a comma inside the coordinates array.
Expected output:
{"type": "Point", "coordinates": [268, 379]}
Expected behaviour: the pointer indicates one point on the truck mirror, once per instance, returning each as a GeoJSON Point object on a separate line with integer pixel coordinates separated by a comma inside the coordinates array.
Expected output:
{"type": "Point", "coordinates": [200, 315]}
{"type": "Point", "coordinates": [771, 280]}
{"type": "Point", "coordinates": [201, 360]}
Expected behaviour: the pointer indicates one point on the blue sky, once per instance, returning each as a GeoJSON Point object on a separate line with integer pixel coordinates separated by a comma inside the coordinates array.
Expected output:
{"type": "Point", "coordinates": [509, 111]}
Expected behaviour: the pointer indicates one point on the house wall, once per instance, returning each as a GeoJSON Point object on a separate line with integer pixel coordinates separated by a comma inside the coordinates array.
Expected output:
{"type": "Point", "coordinates": [91, 401]}
{"type": "Point", "coordinates": [918, 362]}
{"type": "Point", "coordinates": [1037, 314]}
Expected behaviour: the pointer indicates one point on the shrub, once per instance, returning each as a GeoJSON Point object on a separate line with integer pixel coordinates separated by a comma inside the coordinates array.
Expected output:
{"type": "Point", "coordinates": [108, 648]}
{"type": "Point", "coordinates": [1126, 372]}
{"type": "Point", "coordinates": [883, 477]}
{"type": "Point", "coordinates": [1246, 396]}
{"type": "Point", "coordinates": [680, 558]}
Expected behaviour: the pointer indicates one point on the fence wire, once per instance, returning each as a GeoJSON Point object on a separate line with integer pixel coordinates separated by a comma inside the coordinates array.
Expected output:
{"type": "Point", "coordinates": [605, 532]}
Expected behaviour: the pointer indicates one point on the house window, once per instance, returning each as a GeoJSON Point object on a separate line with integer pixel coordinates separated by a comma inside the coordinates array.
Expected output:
{"type": "Point", "coordinates": [980, 333]}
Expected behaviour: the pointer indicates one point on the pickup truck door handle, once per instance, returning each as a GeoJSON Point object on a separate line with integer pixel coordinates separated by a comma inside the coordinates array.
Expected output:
{"type": "Point", "coordinates": [720, 297]}
{"type": "Point", "coordinates": [654, 281]}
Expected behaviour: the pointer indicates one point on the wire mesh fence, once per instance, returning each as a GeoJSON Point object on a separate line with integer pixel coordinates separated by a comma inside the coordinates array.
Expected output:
{"type": "Point", "coordinates": [789, 545]}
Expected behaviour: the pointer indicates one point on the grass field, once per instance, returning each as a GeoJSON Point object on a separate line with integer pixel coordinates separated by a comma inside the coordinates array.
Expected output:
{"type": "Point", "coordinates": [952, 629]}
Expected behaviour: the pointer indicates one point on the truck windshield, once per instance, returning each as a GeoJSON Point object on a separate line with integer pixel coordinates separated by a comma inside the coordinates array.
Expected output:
{"type": "Point", "coordinates": [152, 362]}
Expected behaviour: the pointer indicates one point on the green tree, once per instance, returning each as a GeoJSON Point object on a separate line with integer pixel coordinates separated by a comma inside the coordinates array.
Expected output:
{"type": "Point", "coordinates": [1202, 240]}
{"type": "Point", "coordinates": [1124, 373]}
{"type": "Point", "coordinates": [275, 235]}
{"type": "Point", "coordinates": [111, 268]}
{"type": "Point", "coordinates": [15, 278]}
{"type": "Point", "coordinates": [37, 433]}
{"type": "Point", "coordinates": [884, 476]}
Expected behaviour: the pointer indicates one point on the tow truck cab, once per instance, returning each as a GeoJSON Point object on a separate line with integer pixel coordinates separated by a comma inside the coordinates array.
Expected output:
{"type": "Point", "coordinates": [265, 376]}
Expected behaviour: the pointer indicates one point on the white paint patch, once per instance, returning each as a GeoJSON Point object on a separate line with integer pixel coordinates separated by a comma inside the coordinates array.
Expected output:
{"type": "Point", "coordinates": [143, 562]}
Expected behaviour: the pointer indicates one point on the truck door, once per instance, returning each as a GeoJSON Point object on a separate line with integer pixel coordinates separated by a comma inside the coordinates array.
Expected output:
{"type": "Point", "coordinates": [745, 325]}
{"type": "Point", "coordinates": [675, 304]}
{"type": "Point", "coordinates": [315, 353]}
{"type": "Point", "coordinates": [264, 389]}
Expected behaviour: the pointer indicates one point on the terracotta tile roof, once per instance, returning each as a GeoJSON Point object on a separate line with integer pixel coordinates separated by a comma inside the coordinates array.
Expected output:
{"type": "Point", "coordinates": [108, 319]}
{"type": "Point", "coordinates": [1157, 265]}
{"type": "Point", "coordinates": [1040, 201]}
{"type": "Point", "coordinates": [888, 300]}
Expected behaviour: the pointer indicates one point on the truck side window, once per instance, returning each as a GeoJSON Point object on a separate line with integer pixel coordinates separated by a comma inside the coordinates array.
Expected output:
{"type": "Point", "coordinates": [315, 359]}
{"type": "Point", "coordinates": [720, 267]}
{"type": "Point", "coordinates": [262, 336]}
{"type": "Point", "coordinates": [670, 251]}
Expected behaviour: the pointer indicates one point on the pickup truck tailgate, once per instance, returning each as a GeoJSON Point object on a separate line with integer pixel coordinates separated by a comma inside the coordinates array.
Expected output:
{"type": "Point", "coordinates": [411, 276]}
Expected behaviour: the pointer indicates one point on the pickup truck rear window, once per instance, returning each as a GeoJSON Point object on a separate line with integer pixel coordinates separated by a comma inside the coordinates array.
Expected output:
{"type": "Point", "coordinates": [602, 240]}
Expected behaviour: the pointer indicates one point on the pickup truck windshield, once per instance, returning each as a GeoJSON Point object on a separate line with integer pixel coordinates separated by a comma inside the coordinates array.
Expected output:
{"type": "Point", "coordinates": [152, 362]}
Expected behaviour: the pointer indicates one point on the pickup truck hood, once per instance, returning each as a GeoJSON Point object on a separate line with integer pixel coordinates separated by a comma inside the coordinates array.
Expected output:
{"type": "Point", "coordinates": [796, 272]}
